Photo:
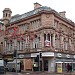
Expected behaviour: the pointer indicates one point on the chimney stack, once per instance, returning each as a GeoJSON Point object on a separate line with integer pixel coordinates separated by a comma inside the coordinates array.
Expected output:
{"type": "Point", "coordinates": [62, 13]}
{"type": "Point", "coordinates": [37, 5]}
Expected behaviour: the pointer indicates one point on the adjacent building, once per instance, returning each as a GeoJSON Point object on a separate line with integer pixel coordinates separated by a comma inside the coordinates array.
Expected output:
{"type": "Point", "coordinates": [41, 32]}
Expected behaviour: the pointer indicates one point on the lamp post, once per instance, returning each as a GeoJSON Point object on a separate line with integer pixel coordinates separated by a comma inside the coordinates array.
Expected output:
{"type": "Point", "coordinates": [15, 56]}
{"type": "Point", "coordinates": [39, 61]}
{"type": "Point", "coordinates": [40, 55]}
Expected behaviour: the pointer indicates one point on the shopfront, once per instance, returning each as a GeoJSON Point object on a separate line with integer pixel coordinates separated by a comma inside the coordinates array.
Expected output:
{"type": "Point", "coordinates": [64, 59]}
{"type": "Point", "coordinates": [26, 61]}
{"type": "Point", "coordinates": [46, 61]}
{"type": "Point", "coordinates": [49, 61]}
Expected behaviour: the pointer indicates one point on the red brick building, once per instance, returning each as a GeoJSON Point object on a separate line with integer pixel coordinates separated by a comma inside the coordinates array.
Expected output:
{"type": "Point", "coordinates": [42, 30]}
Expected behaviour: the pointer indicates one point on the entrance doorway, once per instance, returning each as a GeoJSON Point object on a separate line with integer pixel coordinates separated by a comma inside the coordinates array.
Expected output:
{"type": "Point", "coordinates": [45, 65]}
{"type": "Point", "coordinates": [21, 65]}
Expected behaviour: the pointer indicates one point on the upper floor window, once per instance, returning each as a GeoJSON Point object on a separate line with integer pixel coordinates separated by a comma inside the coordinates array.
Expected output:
{"type": "Point", "coordinates": [23, 27]}
{"type": "Point", "coordinates": [65, 44]}
{"type": "Point", "coordinates": [51, 39]}
{"type": "Point", "coordinates": [55, 23]}
{"type": "Point", "coordinates": [56, 42]}
{"type": "Point", "coordinates": [6, 14]}
{"type": "Point", "coordinates": [35, 23]}
{"type": "Point", "coordinates": [48, 37]}
{"type": "Point", "coordinates": [3, 14]}
{"type": "Point", "coordinates": [9, 15]}
{"type": "Point", "coordinates": [44, 37]}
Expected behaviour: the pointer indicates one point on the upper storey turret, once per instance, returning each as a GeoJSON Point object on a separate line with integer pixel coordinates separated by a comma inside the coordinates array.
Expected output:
{"type": "Point", "coordinates": [7, 14]}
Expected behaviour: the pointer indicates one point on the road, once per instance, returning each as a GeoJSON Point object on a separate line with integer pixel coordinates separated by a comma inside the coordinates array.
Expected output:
{"type": "Point", "coordinates": [35, 73]}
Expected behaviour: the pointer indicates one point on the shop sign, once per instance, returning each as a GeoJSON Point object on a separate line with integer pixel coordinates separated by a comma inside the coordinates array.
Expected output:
{"type": "Point", "coordinates": [34, 54]}
{"type": "Point", "coordinates": [10, 59]}
{"type": "Point", "coordinates": [59, 55]}
{"type": "Point", "coordinates": [48, 54]}
{"type": "Point", "coordinates": [21, 56]}
{"type": "Point", "coordinates": [68, 56]}
{"type": "Point", "coordinates": [74, 56]}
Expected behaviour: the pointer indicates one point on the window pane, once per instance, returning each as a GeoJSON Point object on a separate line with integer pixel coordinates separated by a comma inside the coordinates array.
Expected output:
{"type": "Point", "coordinates": [44, 37]}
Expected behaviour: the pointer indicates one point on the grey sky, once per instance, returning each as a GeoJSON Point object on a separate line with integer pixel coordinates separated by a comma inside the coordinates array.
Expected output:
{"type": "Point", "coordinates": [23, 6]}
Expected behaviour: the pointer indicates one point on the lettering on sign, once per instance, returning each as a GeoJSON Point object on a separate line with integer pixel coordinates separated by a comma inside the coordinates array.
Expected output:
{"type": "Point", "coordinates": [21, 56]}
{"type": "Point", "coordinates": [74, 56]}
{"type": "Point", "coordinates": [59, 55]}
{"type": "Point", "coordinates": [68, 56]}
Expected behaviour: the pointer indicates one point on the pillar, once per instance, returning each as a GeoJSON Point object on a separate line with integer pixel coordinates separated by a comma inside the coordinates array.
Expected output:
{"type": "Point", "coordinates": [51, 67]}
{"type": "Point", "coordinates": [53, 40]}
{"type": "Point", "coordinates": [70, 43]}
{"type": "Point", "coordinates": [61, 42]}
{"type": "Point", "coordinates": [5, 44]}
{"type": "Point", "coordinates": [42, 39]}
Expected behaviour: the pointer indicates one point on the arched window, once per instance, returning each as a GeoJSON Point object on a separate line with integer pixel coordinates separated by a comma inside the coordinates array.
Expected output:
{"type": "Point", "coordinates": [51, 39]}
{"type": "Point", "coordinates": [6, 14]}
{"type": "Point", "coordinates": [3, 14]}
{"type": "Point", "coordinates": [35, 36]}
{"type": "Point", "coordinates": [44, 37]}
{"type": "Point", "coordinates": [65, 44]}
{"type": "Point", "coordinates": [56, 41]}
{"type": "Point", "coordinates": [9, 15]}
{"type": "Point", "coordinates": [48, 37]}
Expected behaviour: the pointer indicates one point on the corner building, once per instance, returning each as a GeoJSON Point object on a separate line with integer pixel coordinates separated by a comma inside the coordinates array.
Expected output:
{"type": "Point", "coordinates": [42, 30]}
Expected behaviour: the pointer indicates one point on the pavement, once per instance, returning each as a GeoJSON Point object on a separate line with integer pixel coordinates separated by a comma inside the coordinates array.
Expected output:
{"type": "Point", "coordinates": [37, 73]}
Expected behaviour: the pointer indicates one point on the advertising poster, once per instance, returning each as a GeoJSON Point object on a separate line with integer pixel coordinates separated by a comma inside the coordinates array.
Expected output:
{"type": "Point", "coordinates": [59, 67]}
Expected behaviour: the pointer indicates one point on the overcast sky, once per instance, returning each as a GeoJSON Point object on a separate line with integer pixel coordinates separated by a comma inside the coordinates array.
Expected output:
{"type": "Point", "coordinates": [23, 6]}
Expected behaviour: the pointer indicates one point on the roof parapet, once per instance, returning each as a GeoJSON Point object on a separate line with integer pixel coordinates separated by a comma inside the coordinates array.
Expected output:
{"type": "Point", "coordinates": [63, 13]}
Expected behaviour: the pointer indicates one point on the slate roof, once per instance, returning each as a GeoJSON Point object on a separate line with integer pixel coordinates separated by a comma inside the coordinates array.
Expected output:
{"type": "Point", "coordinates": [19, 17]}
{"type": "Point", "coordinates": [36, 11]}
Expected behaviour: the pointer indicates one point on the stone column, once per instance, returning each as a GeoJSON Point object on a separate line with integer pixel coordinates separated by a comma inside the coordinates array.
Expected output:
{"type": "Point", "coordinates": [42, 39]}
{"type": "Point", "coordinates": [42, 64]}
{"type": "Point", "coordinates": [70, 44]}
{"type": "Point", "coordinates": [5, 43]}
{"type": "Point", "coordinates": [20, 45]}
{"type": "Point", "coordinates": [51, 67]}
{"type": "Point", "coordinates": [61, 42]}
{"type": "Point", "coordinates": [50, 40]}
